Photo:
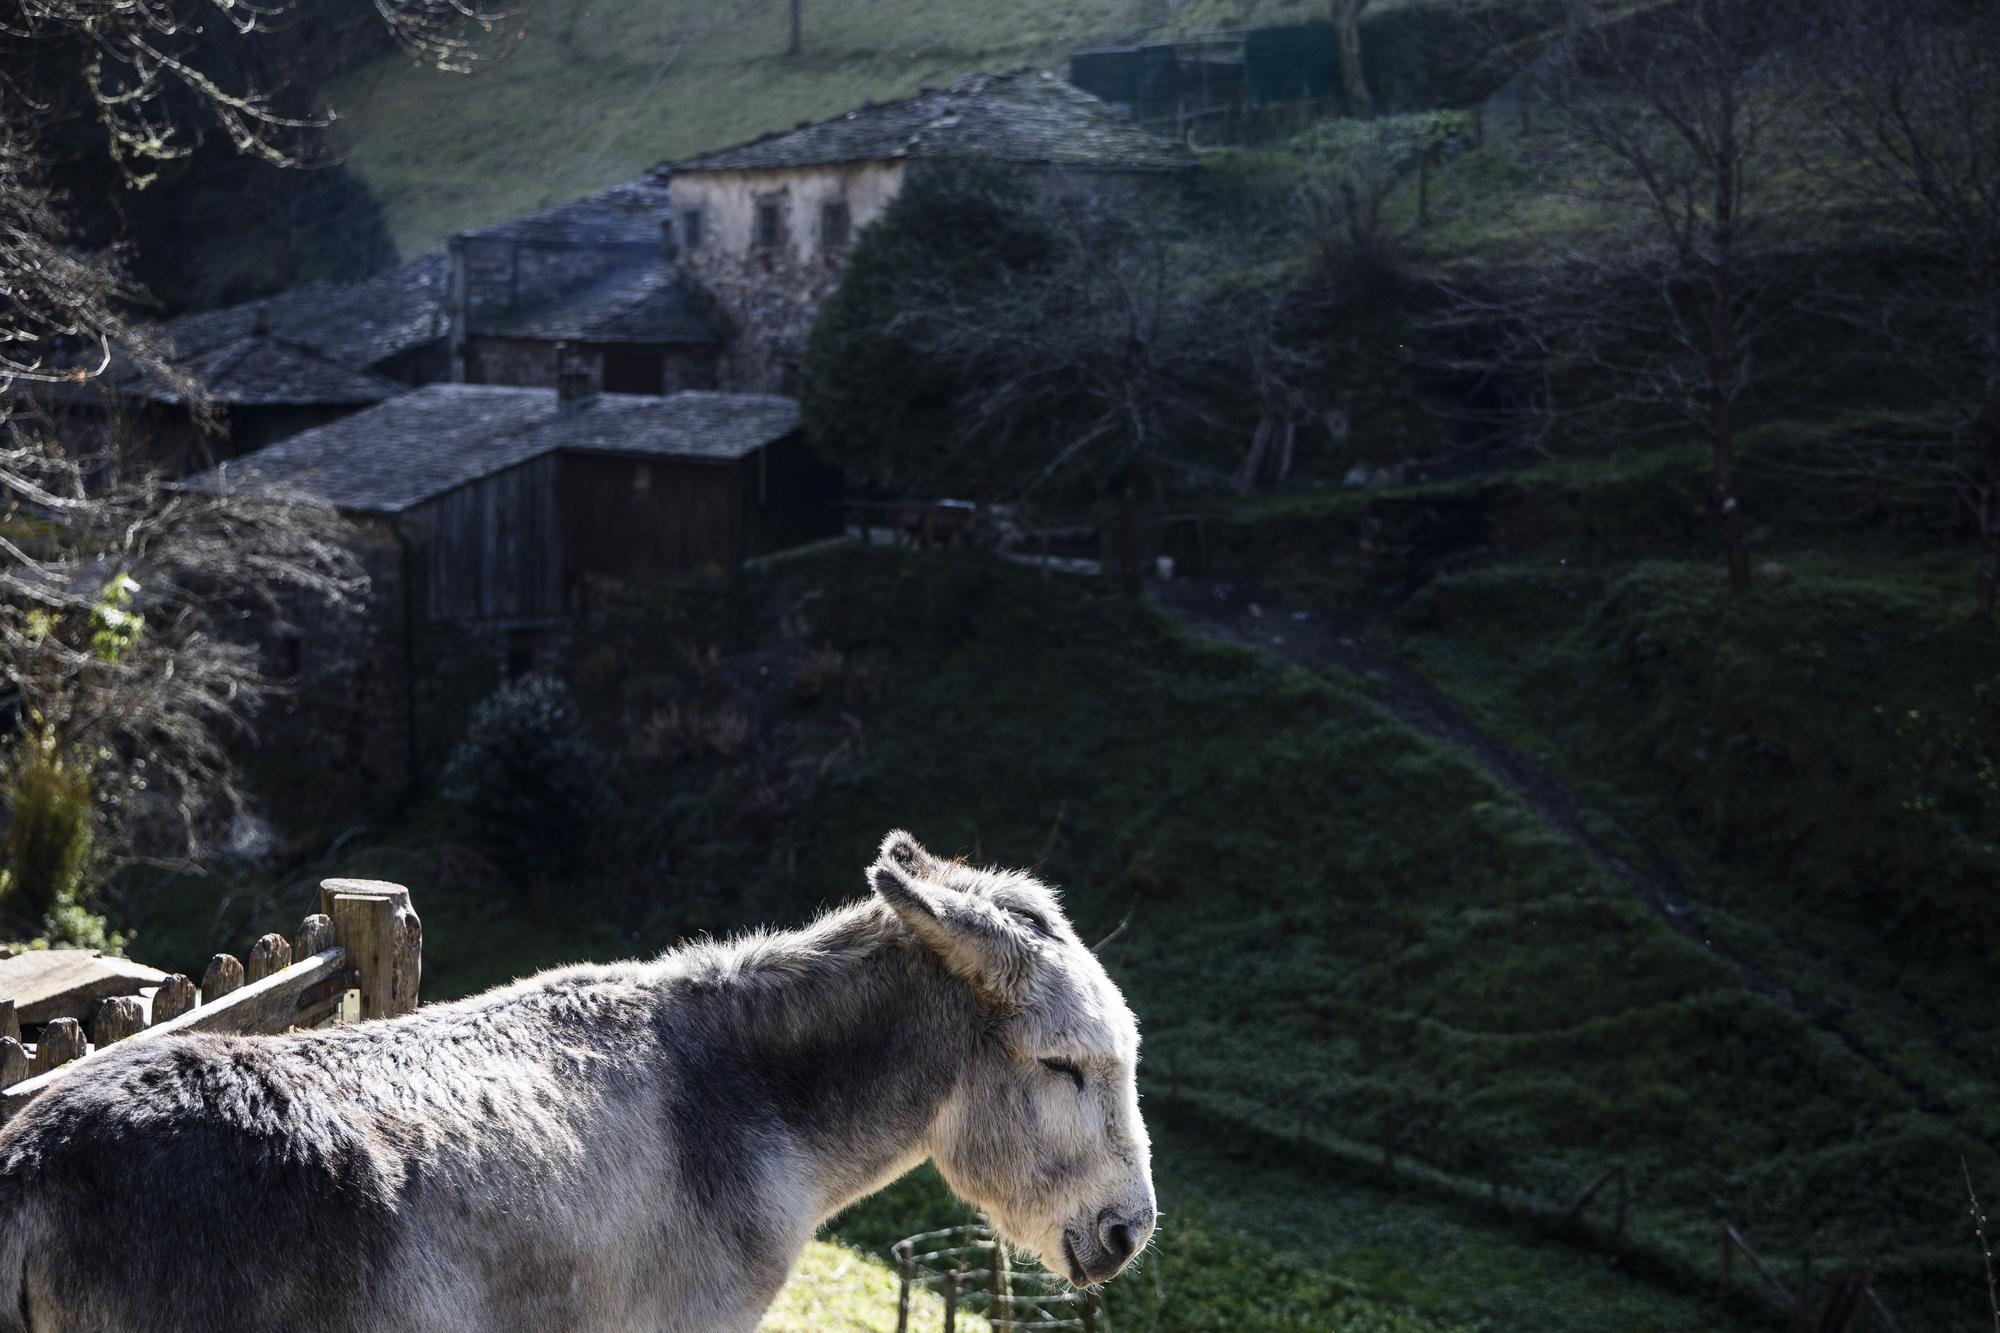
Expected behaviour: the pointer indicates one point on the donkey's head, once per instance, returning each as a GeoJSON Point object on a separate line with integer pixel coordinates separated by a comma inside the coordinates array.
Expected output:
{"type": "Point", "coordinates": [1043, 1131]}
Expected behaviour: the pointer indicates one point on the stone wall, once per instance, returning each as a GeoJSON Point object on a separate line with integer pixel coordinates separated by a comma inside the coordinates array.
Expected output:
{"type": "Point", "coordinates": [770, 293]}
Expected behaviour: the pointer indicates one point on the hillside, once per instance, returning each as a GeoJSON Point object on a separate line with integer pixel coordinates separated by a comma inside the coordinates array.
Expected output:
{"type": "Point", "coordinates": [592, 96]}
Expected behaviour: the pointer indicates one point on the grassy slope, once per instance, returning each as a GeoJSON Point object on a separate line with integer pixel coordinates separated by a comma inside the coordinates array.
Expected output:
{"type": "Point", "coordinates": [1336, 927]}
{"type": "Point", "coordinates": [834, 1289]}
{"type": "Point", "coordinates": [560, 117]}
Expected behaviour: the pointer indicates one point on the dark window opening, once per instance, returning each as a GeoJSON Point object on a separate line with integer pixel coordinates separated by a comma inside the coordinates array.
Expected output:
{"type": "Point", "coordinates": [634, 370]}
{"type": "Point", "coordinates": [691, 229]}
{"type": "Point", "coordinates": [770, 224]}
{"type": "Point", "coordinates": [835, 226]}
{"type": "Point", "coordinates": [520, 652]}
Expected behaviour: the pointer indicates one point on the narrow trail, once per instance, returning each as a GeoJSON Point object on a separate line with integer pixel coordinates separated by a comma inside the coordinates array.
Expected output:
{"type": "Point", "coordinates": [1233, 612]}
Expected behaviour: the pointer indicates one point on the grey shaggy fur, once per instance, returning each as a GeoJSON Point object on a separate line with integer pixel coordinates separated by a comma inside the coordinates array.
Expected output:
{"type": "Point", "coordinates": [625, 1147]}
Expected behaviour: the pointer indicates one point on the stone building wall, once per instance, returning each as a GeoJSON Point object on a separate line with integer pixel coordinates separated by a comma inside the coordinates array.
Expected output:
{"type": "Point", "coordinates": [768, 288]}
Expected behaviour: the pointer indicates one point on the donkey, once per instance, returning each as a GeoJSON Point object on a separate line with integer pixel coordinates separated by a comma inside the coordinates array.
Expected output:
{"type": "Point", "coordinates": [598, 1148]}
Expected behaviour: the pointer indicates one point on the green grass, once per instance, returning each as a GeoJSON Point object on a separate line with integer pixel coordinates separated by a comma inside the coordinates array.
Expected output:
{"type": "Point", "coordinates": [559, 118]}
{"type": "Point", "coordinates": [1337, 928]}
{"type": "Point", "coordinates": [836, 1289]}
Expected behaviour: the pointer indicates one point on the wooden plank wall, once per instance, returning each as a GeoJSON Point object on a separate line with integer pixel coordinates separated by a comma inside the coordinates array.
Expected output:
{"type": "Point", "coordinates": [496, 548]}
{"type": "Point", "coordinates": [651, 516]}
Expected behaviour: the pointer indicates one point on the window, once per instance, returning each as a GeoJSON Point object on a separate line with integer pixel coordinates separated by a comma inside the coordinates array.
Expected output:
{"type": "Point", "coordinates": [835, 225]}
{"type": "Point", "coordinates": [691, 229]}
{"type": "Point", "coordinates": [770, 224]}
{"type": "Point", "coordinates": [523, 646]}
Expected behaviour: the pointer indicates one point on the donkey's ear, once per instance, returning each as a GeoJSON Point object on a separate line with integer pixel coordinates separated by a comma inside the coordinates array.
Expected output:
{"type": "Point", "coordinates": [975, 939]}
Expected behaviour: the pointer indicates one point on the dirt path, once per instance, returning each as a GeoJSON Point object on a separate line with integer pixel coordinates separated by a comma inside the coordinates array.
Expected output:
{"type": "Point", "coordinates": [1233, 611]}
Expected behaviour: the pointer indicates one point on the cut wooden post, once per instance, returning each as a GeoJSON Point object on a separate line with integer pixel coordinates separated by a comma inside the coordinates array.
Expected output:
{"type": "Point", "coordinates": [315, 936]}
{"type": "Point", "coordinates": [951, 1300]}
{"type": "Point", "coordinates": [384, 940]}
{"type": "Point", "coordinates": [1089, 1312]}
{"type": "Point", "coordinates": [62, 1042]}
{"type": "Point", "coordinates": [269, 954]}
{"type": "Point", "coordinates": [116, 1018]}
{"type": "Point", "coordinates": [905, 1265]}
{"type": "Point", "coordinates": [224, 975]}
{"type": "Point", "coordinates": [1000, 1314]}
{"type": "Point", "coordinates": [14, 1064]}
{"type": "Point", "coordinates": [174, 998]}
{"type": "Point", "coordinates": [10, 1022]}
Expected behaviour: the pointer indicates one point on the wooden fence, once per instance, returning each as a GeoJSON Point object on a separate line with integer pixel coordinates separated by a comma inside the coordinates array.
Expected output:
{"type": "Point", "coordinates": [364, 938]}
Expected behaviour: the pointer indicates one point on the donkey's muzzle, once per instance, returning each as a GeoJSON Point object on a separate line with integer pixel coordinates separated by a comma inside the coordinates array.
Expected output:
{"type": "Point", "coordinates": [1120, 1235]}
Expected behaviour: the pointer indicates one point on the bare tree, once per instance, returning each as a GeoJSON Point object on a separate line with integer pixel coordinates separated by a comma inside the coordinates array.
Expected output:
{"type": "Point", "coordinates": [123, 644]}
{"type": "Point", "coordinates": [1910, 98]}
{"type": "Point", "coordinates": [1678, 116]}
{"type": "Point", "coordinates": [1115, 338]}
{"type": "Point", "coordinates": [1353, 79]}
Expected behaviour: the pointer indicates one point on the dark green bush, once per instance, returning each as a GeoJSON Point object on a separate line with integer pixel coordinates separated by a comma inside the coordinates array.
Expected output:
{"type": "Point", "coordinates": [525, 775]}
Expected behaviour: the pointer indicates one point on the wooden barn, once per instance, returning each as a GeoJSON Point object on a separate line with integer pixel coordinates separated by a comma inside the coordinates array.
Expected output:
{"type": "Point", "coordinates": [486, 513]}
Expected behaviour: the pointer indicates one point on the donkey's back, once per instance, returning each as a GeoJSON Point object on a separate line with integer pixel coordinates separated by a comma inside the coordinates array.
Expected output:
{"type": "Point", "coordinates": [495, 1163]}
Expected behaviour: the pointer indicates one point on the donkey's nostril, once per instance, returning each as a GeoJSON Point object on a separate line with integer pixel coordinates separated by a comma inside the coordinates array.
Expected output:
{"type": "Point", "coordinates": [1115, 1235]}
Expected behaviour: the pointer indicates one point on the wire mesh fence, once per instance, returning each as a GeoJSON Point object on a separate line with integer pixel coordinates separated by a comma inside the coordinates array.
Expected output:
{"type": "Point", "coordinates": [971, 1270]}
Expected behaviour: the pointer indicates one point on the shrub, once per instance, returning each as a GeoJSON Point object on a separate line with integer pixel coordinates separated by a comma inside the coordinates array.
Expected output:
{"type": "Point", "coordinates": [51, 835]}
{"type": "Point", "coordinates": [527, 777]}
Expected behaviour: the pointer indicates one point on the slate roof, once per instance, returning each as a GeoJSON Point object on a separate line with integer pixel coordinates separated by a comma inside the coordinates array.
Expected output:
{"type": "Point", "coordinates": [627, 214]}
{"type": "Point", "coordinates": [1023, 118]}
{"type": "Point", "coordinates": [419, 445]}
{"type": "Point", "coordinates": [649, 303]}
{"type": "Point", "coordinates": [357, 324]}
{"type": "Point", "coordinates": [261, 370]}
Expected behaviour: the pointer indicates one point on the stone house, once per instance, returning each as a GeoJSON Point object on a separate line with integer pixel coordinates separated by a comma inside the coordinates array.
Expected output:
{"type": "Point", "coordinates": [488, 517]}
{"type": "Point", "coordinates": [598, 275]}
{"type": "Point", "coordinates": [765, 226]}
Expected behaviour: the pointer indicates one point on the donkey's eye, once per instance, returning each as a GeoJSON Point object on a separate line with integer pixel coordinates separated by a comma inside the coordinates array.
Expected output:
{"type": "Point", "coordinates": [1057, 1065]}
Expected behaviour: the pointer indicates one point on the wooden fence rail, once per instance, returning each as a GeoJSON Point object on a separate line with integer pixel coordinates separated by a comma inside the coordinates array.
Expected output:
{"type": "Point", "coordinates": [364, 938]}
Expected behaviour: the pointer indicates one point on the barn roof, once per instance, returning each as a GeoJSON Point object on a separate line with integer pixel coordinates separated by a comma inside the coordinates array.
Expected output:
{"type": "Point", "coordinates": [260, 370]}
{"type": "Point", "coordinates": [627, 214]}
{"type": "Point", "coordinates": [357, 324]}
{"type": "Point", "coordinates": [645, 303]}
{"type": "Point", "coordinates": [1024, 118]}
{"type": "Point", "coordinates": [419, 445]}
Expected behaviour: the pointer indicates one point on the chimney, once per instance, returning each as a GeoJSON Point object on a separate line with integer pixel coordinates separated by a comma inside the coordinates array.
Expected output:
{"type": "Point", "coordinates": [574, 389]}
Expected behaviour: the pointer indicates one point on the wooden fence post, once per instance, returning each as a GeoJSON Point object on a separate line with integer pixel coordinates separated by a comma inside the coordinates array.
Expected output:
{"type": "Point", "coordinates": [174, 998]}
{"type": "Point", "coordinates": [951, 1300]}
{"type": "Point", "coordinates": [269, 954]}
{"type": "Point", "coordinates": [904, 1266]}
{"type": "Point", "coordinates": [62, 1042]}
{"type": "Point", "coordinates": [384, 940]}
{"type": "Point", "coordinates": [13, 1062]}
{"type": "Point", "coordinates": [1000, 1314]}
{"type": "Point", "coordinates": [315, 936]}
{"type": "Point", "coordinates": [1089, 1312]}
{"type": "Point", "coordinates": [115, 1018]}
{"type": "Point", "coordinates": [224, 975]}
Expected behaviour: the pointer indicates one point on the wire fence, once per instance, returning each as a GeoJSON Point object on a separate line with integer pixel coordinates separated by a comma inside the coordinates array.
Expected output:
{"type": "Point", "coordinates": [970, 1268]}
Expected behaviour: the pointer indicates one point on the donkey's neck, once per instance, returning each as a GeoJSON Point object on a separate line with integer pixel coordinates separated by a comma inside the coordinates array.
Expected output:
{"type": "Point", "coordinates": [854, 1033]}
